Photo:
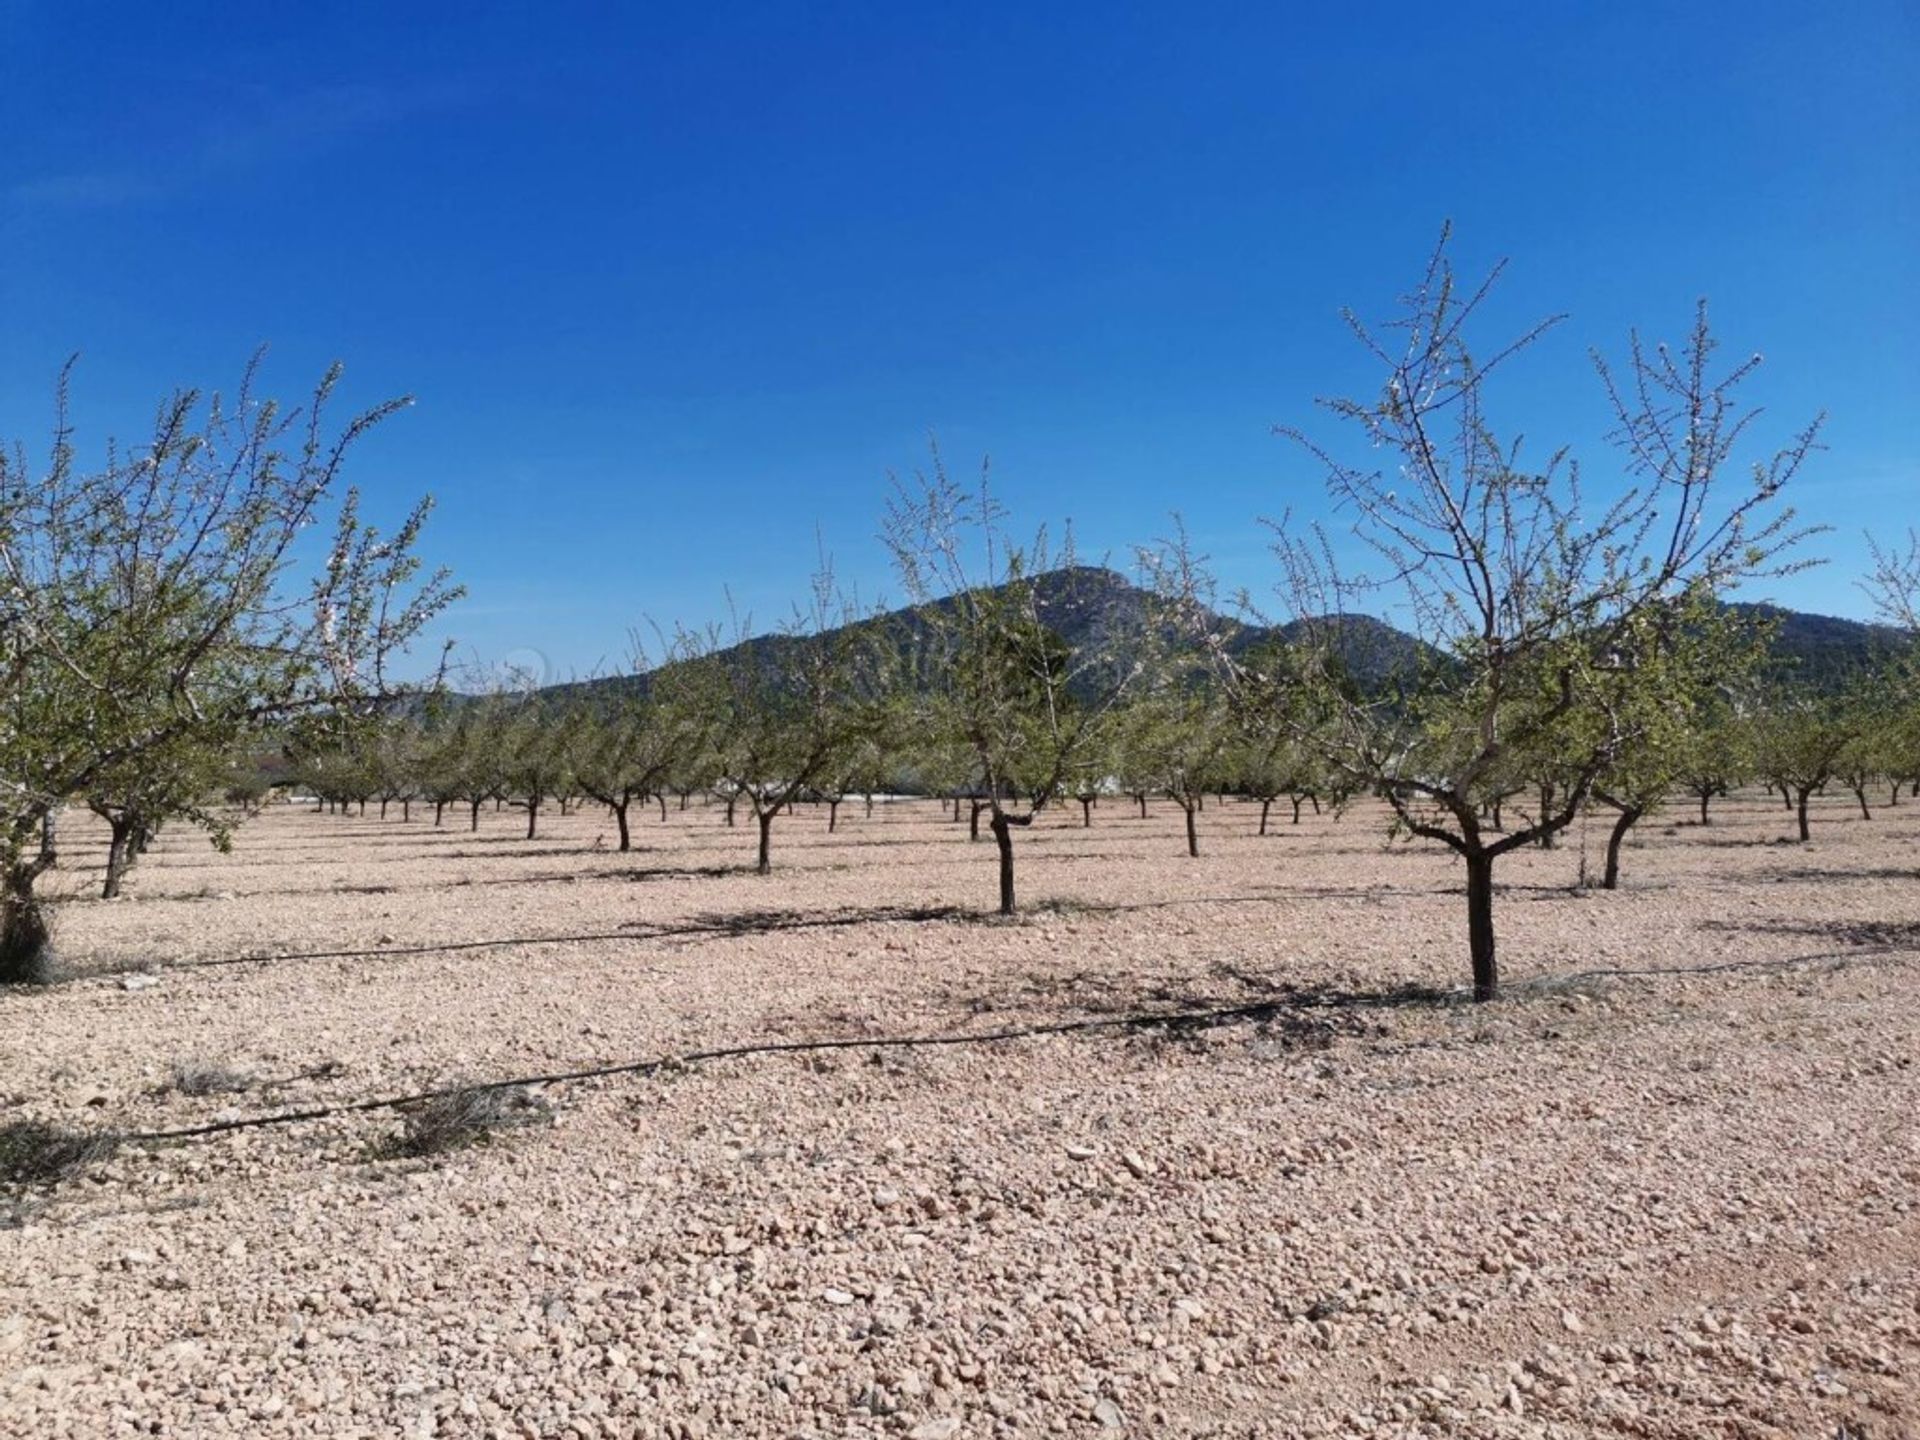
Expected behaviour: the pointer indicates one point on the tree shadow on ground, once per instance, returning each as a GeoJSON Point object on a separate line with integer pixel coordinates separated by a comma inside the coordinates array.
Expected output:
{"type": "Point", "coordinates": [1879, 934]}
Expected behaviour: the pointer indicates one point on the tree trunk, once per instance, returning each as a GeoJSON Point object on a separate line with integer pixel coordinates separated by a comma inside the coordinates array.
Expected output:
{"type": "Point", "coordinates": [1496, 813]}
{"type": "Point", "coordinates": [620, 820]}
{"type": "Point", "coordinates": [1193, 833]}
{"type": "Point", "coordinates": [869, 804]}
{"type": "Point", "coordinates": [1486, 970]}
{"type": "Point", "coordinates": [120, 831]}
{"type": "Point", "coordinates": [1297, 802]}
{"type": "Point", "coordinates": [533, 816]}
{"type": "Point", "coordinates": [833, 816]}
{"type": "Point", "coordinates": [766, 841]}
{"type": "Point", "coordinates": [1860, 794]}
{"type": "Point", "coordinates": [1704, 796]}
{"type": "Point", "coordinates": [1086, 813]}
{"type": "Point", "coordinates": [1805, 791]}
{"type": "Point", "coordinates": [1314, 800]}
{"type": "Point", "coordinates": [23, 928]}
{"type": "Point", "coordinates": [1265, 806]}
{"type": "Point", "coordinates": [406, 810]}
{"type": "Point", "coordinates": [476, 814]}
{"type": "Point", "coordinates": [439, 813]}
{"type": "Point", "coordinates": [973, 825]}
{"type": "Point", "coordinates": [663, 808]}
{"type": "Point", "coordinates": [1627, 820]}
{"type": "Point", "coordinates": [1893, 793]}
{"type": "Point", "coordinates": [383, 807]}
{"type": "Point", "coordinates": [1003, 837]}
{"type": "Point", "coordinates": [732, 800]}
{"type": "Point", "coordinates": [1143, 805]}
{"type": "Point", "coordinates": [1547, 839]}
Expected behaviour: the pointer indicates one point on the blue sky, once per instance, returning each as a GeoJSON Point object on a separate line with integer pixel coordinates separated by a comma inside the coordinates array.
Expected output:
{"type": "Point", "coordinates": [677, 286]}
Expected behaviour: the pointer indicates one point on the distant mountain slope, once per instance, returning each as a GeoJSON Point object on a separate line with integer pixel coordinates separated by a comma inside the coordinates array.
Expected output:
{"type": "Point", "coordinates": [1091, 607]}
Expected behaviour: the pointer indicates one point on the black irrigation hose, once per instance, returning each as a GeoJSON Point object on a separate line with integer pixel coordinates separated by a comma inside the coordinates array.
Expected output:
{"type": "Point", "coordinates": [1222, 1015]}
{"type": "Point", "coordinates": [1219, 1016]}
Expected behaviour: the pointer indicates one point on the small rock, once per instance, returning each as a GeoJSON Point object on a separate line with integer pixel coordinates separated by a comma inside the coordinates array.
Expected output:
{"type": "Point", "coordinates": [1110, 1415]}
{"type": "Point", "coordinates": [1572, 1322]}
{"type": "Point", "coordinates": [138, 982]}
{"type": "Point", "coordinates": [1081, 1152]}
{"type": "Point", "coordinates": [836, 1297]}
{"type": "Point", "coordinates": [944, 1428]}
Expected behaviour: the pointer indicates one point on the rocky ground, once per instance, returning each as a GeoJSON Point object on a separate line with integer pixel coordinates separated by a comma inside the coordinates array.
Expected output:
{"type": "Point", "coordinates": [1666, 1188]}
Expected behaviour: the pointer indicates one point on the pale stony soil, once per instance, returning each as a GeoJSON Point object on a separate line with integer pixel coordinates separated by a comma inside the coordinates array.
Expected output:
{"type": "Point", "coordinates": [1664, 1205]}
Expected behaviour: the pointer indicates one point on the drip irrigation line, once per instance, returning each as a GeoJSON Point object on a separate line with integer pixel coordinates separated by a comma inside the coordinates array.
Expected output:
{"type": "Point", "coordinates": [1169, 1019]}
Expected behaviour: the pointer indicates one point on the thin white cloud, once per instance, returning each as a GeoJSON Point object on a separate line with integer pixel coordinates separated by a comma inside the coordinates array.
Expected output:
{"type": "Point", "coordinates": [245, 137]}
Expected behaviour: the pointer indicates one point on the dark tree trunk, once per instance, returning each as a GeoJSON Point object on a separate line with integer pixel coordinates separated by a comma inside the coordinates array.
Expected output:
{"type": "Point", "coordinates": [1314, 800]}
{"type": "Point", "coordinates": [1003, 837]}
{"type": "Point", "coordinates": [973, 825]}
{"type": "Point", "coordinates": [1547, 837]}
{"type": "Point", "coordinates": [439, 813]}
{"type": "Point", "coordinates": [1143, 805]}
{"type": "Point", "coordinates": [23, 928]}
{"type": "Point", "coordinates": [869, 804]}
{"type": "Point", "coordinates": [1193, 832]}
{"type": "Point", "coordinates": [620, 822]}
{"type": "Point", "coordinates": [1860, 794]}
{"type": "Point", "coordinates": [120, 833]}
{"type": "Point", "coordinates": [1805, 791]}
{"type": "Point", "coordinates": [476, 814]}
{"type": "Point", "coordinates": [383, 807]}
{"type": "Point", "coordinates": [1297, 802]}
{"type": "Point", "coordinates": [766, 842]}
{"type": "Point", "coordinates": [1893, 793]}
{"type": "Point", "coordinates": [1486, 969]}
{"type": "Point", "coordinates": [732, 800]}
{"type": "Point", "coordinates": [663, 809]}
{"type": "Point", "coordinates": [833, 816]}
{"type": "Point", "coordinates": [406, 810]}
{"type": "Point", "coordinates": [533, 816]}
{"type": "Point", "coordinates": [1496, 814]}
{"type": "Point", "coordinates": [1086, 813]}
{"type": "Point", "coordinates": [1265, 806]}
{"type": "Point", "coordinates": [1705, 796]}
{"type": "Point", "coordinates": [1628, 818]}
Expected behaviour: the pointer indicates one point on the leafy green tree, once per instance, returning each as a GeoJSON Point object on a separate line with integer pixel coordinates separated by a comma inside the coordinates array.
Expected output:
{"type": "Point", "coordinates": [1800, 740]}
{"type": "Point", "coordinates": [792, 707]}
{"type": "Point", "coordinates": [162, 596]}
{"type": "Point", "coordinates": [646, 741]}
{"type": "Point", "coordinates": [998, 681]}
{"type": "Point", "coordinates": [1178, 738]}
{"type": "Point", "coordinates": [1706, 653]}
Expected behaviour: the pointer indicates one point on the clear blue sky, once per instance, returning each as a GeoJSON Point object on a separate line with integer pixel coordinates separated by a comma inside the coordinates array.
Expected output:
{"type": "Point", "coordinates": [674, 285]}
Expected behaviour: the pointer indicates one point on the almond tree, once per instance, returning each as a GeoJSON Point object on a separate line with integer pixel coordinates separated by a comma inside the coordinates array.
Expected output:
{"type": "Point", "coordinates": [1177, 739]}
{"type": "Point", "coordinates": [793, 704]}
{"type": "Point", "coordinates": [1537, 605]}
{"type": "Point", "coordinates": [1704, 659]}
{"type": "Point", "coordinates": [163, 596]}
{"type": "Point", "coordinates": [645, 739]}
{"type": "Point", "coordinates": [998, 683]}
{"type": "Point", "coordinates": [1801, 740]}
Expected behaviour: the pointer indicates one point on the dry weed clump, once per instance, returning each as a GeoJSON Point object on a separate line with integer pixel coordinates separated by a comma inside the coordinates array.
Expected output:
{"type": "Point", "coordinates": [198, 1079]}
{"type": "Point", "coordinates": [33, 1152]}
{"type": "Point", "coordinates": [464, 1117]}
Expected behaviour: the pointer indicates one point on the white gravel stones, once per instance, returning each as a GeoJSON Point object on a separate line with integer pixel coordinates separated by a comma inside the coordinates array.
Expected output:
{"type": "Point", "coordinates": [1365, 1218]}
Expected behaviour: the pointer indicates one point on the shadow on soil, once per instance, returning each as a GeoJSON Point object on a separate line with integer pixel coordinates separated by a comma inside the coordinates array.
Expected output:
{"type": "Point", "coordinates": [1882, 934]}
